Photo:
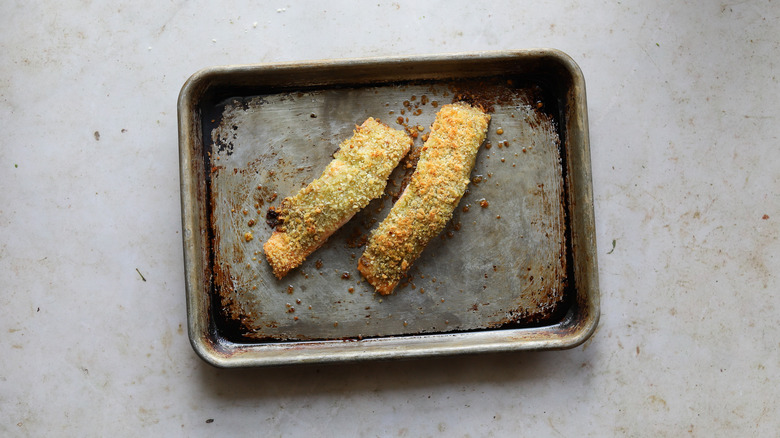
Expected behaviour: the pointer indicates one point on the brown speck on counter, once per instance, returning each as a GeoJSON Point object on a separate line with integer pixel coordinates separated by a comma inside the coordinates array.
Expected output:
{"type": "Point", "coordinates": [273, 197]}
{"type": "Point", "coordinates": [313, 116]}
{"type": "Point", "coordinates": [351, 290]}
{"type": "Point", "coordinates": [345, 276]}
{"type": "Point", "coordinates": [500, 131]}
{"type": "Point", "coordinates": [422, 290]}
{"type": "Point", "coordinates": [251, 222]}
{"type": "Point", "coordinates": [424, 99]}
{"type": "Point", "coordinates": [298, 301]}
{"type": "Point", "coordinates": [400, 120]}
{"type": "Point", "coordinates": [466, 208]}
{"type": "Point", "coordinates": [336, 324]}
{"type": "Point", "coordinates": [435, 103]}
{"type": "Point", "coordinates": [318, 264]}
{"type": "Point", "coordinates": [245, 212]}
{"type": "Point", "coordinates": [290, 289]}
{"type": "Point", "coordinates": [498, 216]}
{"type": "Point", "coordinates": [483, 203]}
{"type": "Point", "coordinates": [488, 145]}
{"type": "Point", "coordinates": [248, 236]}
{"type": "Point", "coordinates": [209, 421]}
{"type": "Point", "coordinates": [765, 217]}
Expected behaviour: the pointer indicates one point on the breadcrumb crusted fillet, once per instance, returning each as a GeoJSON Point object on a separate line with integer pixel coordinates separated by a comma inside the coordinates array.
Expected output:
{"type": "Point", "coordinates": [357, 174]}
{"type": "Point", "coordinates": [425, 207]}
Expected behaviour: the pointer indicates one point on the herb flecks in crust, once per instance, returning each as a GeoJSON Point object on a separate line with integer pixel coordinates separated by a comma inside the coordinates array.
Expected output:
{"type": "Point", "coordinates": [357, 174]}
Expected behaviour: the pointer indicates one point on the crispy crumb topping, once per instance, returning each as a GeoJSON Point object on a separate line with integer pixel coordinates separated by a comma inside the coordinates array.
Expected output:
{"type": "Point", "coordinates": [434, 191]}
{"type": "Point", "coordinates": [357, 174]}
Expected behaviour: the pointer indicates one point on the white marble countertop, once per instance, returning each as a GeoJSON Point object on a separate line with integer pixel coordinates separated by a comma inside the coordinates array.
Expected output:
{"type": "Point", "coordinates": [684, 126]}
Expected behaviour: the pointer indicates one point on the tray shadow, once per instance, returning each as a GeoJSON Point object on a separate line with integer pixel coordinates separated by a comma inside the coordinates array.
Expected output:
{"type": "Point", "coordinates": [351, 379]}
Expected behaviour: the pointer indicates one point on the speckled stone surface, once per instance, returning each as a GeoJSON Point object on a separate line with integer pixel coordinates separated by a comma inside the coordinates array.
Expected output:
{"type": "Point", "coordinates": [684, 139]}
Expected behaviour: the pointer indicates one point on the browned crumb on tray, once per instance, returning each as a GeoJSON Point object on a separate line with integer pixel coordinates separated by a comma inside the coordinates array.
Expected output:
{"type": "Point", "coordinates": [357, 174]}
{"type": "Point", "coordinates": [425, 207]}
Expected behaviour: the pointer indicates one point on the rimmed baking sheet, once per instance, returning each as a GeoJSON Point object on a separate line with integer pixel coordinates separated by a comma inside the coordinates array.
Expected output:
{"type": "Point", "coordinates": [515, 268]}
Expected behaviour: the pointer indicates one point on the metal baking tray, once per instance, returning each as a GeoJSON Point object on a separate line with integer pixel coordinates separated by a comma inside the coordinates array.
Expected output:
{"type": "Point", "coordinates": [514, 270]}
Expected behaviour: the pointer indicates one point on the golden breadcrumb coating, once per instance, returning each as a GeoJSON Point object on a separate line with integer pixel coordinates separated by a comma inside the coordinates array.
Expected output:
{"type": "Point", "coordinates": [425, 207]}
{"type": "Point", "coordinates": [357, 174]}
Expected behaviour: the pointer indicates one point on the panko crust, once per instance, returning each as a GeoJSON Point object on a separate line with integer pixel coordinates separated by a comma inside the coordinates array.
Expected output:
{"type": "Point", "coordinates": [357, 174]}
{"type": "Point", "coordinates": [427, 204]}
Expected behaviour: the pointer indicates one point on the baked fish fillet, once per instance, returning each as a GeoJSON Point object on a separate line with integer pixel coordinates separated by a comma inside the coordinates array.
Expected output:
{"type": "Point", "coordinates": [425, 207]}
{"type": "Point", "coordinates": [357, 174]}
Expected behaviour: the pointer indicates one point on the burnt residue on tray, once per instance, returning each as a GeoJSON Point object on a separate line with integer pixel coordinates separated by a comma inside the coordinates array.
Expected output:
{"type": "Point", "coordinates": [273, 218]}
{"type": "Point", "coordinates": [237, 319]}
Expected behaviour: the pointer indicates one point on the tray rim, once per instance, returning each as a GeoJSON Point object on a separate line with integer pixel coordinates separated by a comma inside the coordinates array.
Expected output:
{"type": "Point", "coordinates": [574, 329]}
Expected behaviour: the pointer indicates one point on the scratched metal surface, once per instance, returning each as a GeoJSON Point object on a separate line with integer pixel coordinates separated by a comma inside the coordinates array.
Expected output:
{"type": "Point", "coordinates": [492, 266]}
